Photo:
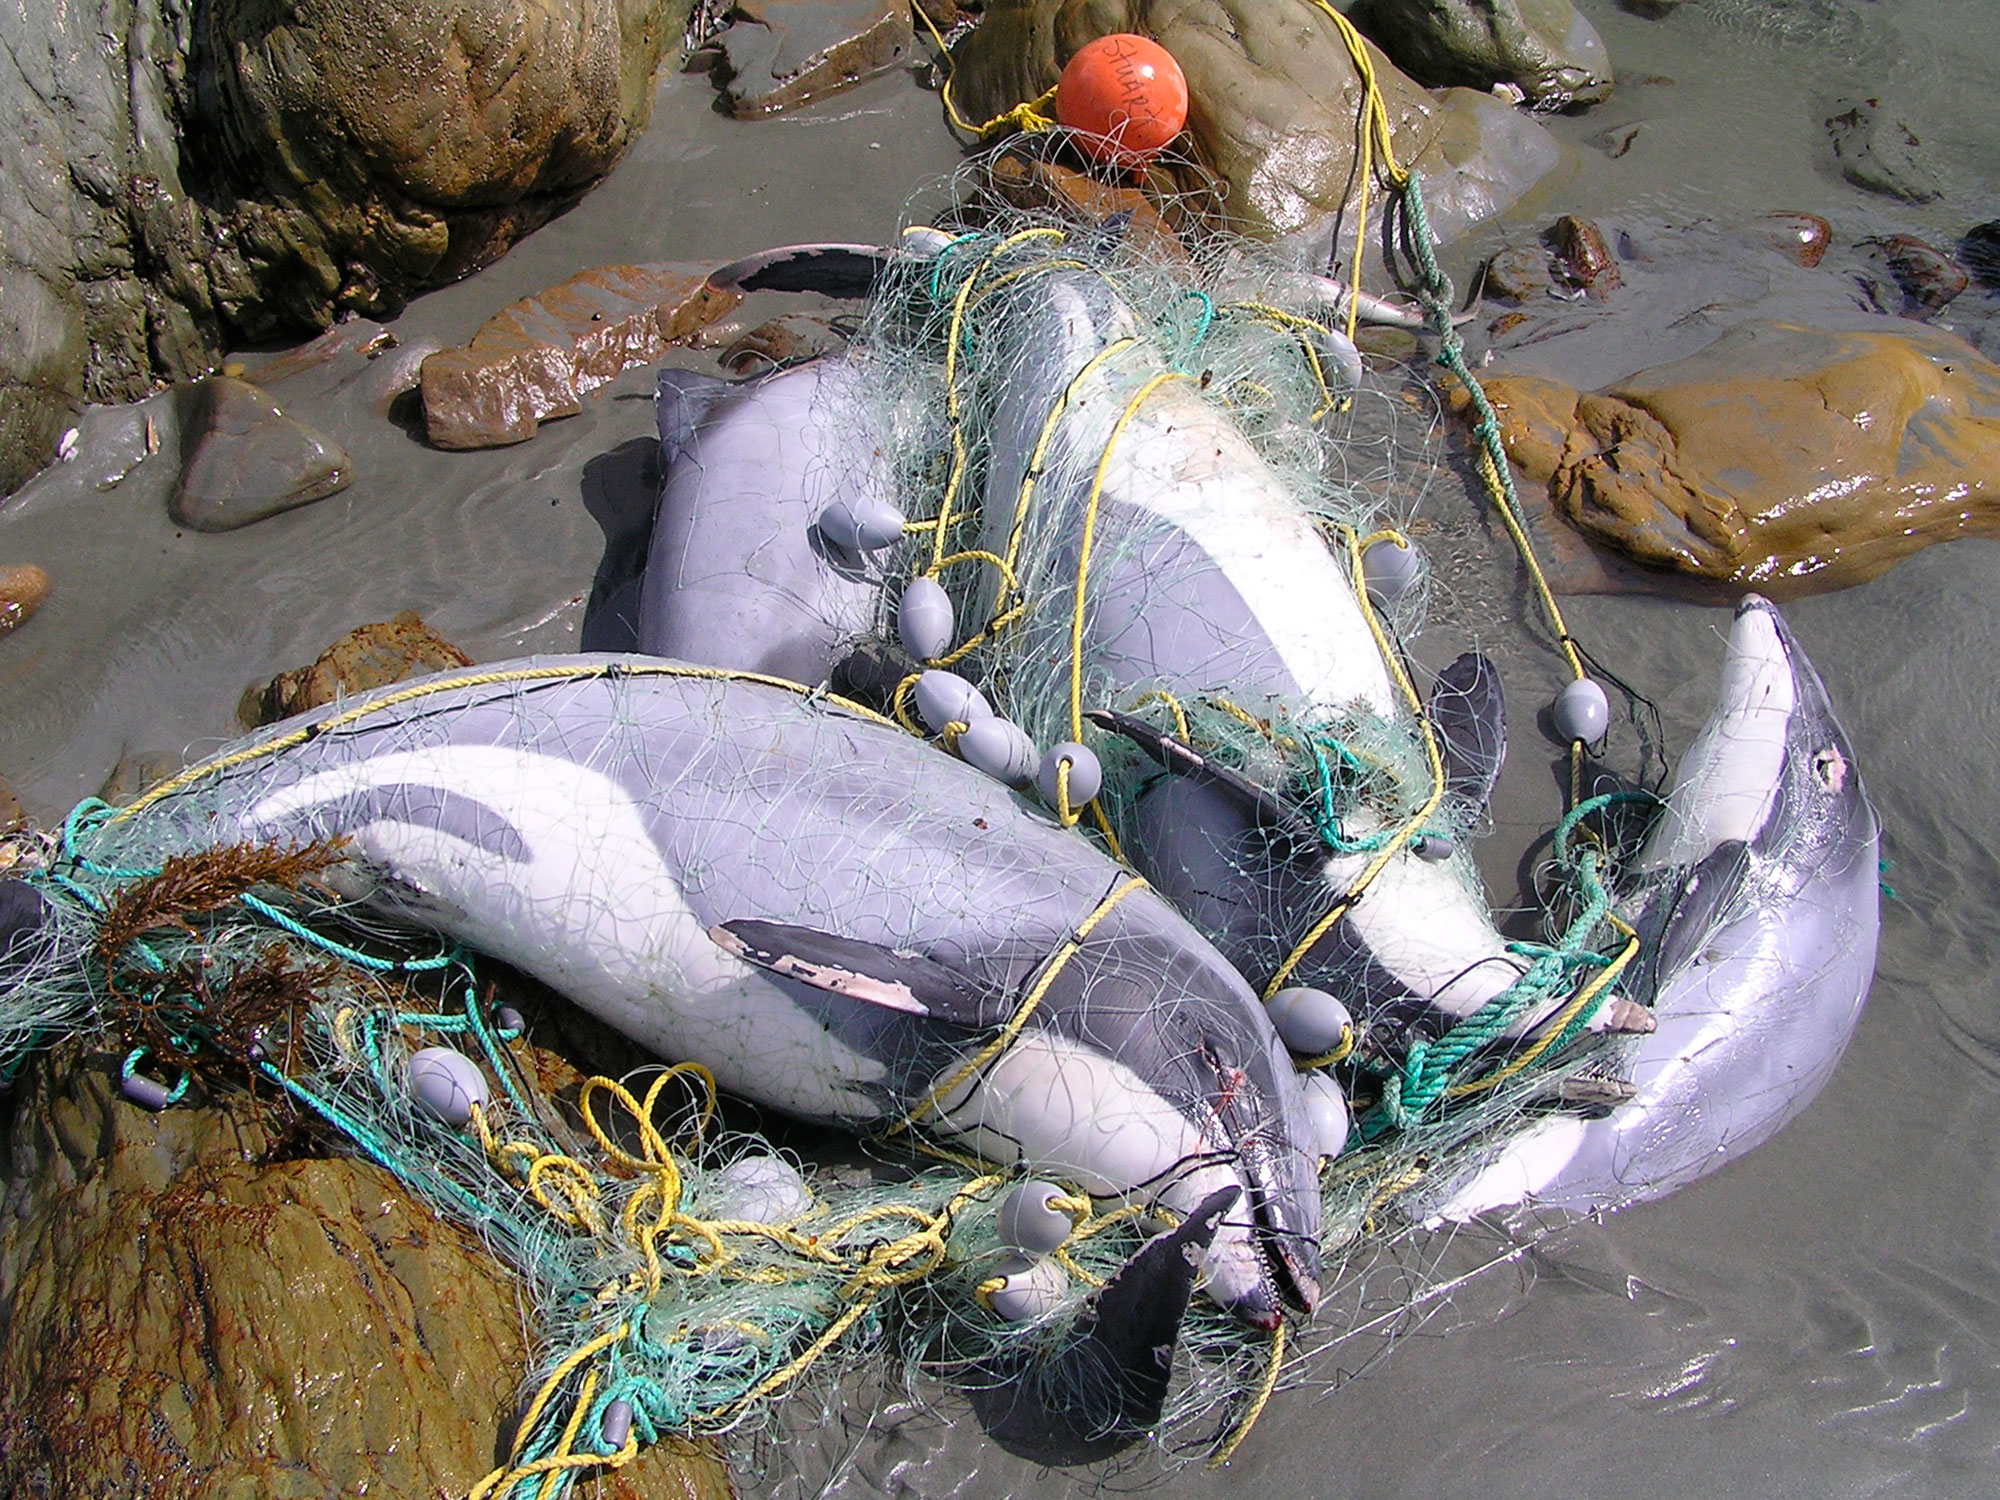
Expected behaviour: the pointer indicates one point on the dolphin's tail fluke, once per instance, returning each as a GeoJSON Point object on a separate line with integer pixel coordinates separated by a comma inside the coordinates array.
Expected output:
{"type": "Point", "coordinates": [1106, 1387]}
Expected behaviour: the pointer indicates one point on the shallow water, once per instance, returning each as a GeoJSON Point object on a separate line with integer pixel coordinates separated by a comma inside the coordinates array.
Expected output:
{"type": "Point", "coordinates": [1821, 1318]}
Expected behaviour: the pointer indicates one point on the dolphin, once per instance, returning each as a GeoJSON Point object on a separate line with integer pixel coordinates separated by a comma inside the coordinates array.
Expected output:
{"type": "Point", "coordinates": [737, 574]}
{"type": "Point", "coordinates": [1756, 898]}
{"type": "Point", "coordinates": [836, 919]}
{"type": "Point", "coordinates": [1208, 577]}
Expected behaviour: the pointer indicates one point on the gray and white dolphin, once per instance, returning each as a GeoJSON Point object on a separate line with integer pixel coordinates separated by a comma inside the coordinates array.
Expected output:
{"type": "Point", "coordinates": [1209, 577]}
{"type": "Point", "coordinates": [736, 573]}
{"type": "Point", "coordinates": [833, 917]}
{"type": "Point", "coordinates": [1756, 897]}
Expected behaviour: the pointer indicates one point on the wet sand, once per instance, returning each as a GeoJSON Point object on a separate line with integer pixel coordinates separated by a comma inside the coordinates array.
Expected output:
{"type": "Point", "coordinates": [1821, 1318]}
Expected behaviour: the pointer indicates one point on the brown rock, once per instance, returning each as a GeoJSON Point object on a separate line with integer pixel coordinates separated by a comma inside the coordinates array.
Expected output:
{"type": "Point", "coordinates": [1804, 237]}
{"type": "Point", "coordinates": [1781, 458]}
{"type": "Point", "coordinates": [23, 587]}
{"type": "Point", "coordinates": [1926, 275]}
{"type": "Point", "coordinates": [242, 459]}
{"type": "Point", "coordinates": [1520, 272]}
{"type": "Point", "coordinates": [1273, 94]}
{"type": "Point", "coordinates": [186, 1315]}
{"type": "Point", "coordinates": [13, 817]}
{"type": "Point", "coordinates": [780, 54]}
{"type": "Point", "coordinates": [138, 772]}
{"type": "Point", "coordinates": [1583, 257]}
{"type": "Point", "coordinates": [536, 359]}
{"type": "Point", "coordinates": [366, 658]}
{"type": "Point", "coordinates": [1392, 345]}
{"type": "Point", "coordinates": [1048, 188]}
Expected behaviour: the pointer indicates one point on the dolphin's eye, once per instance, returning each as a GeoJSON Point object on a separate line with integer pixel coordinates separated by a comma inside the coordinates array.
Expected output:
{"type": "Point", "coordinates": [1830, 767]}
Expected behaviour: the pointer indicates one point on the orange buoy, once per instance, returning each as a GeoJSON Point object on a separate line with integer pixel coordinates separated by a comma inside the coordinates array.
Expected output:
{"type": "Point", "coordinates": [1125, 95]}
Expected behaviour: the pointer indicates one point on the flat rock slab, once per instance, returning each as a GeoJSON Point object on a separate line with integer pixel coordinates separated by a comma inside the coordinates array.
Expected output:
{"type": "Point", "coordinates": [243, 459]}
{"type": "Point", "coordinates": [1782, 458]}
{"type": "Point", "coordinates": [537, 358]}
{"type": "Point", "coordinates": [1879, 153]}
{"type": "Point", "coordinates": [780, 54]}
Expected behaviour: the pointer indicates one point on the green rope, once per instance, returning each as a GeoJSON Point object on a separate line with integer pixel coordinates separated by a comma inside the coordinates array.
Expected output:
{"type": "Point", "coordinates": [93, 810]}
{"type": "Point", "coordinates": [1436, 295]}
{"type": "Point", "coordinates": [1201, 329]}
{"type": "Point", "coordinates": [341, 951]}
{"type": "Point", "coordinates": [1429, 1069]}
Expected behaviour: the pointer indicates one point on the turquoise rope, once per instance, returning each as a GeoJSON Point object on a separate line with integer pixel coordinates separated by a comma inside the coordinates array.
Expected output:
{"type": "Point", "coordinates": [1201, 330]}
{"type": "Point", "coordinates": [95, 810]}
{"type": "Point", "coordinates": [1430, 1068]}
{"type": "Point", "coordinates": [131, 1065]}
{"type": "Point", "coordinates": [341, 951]}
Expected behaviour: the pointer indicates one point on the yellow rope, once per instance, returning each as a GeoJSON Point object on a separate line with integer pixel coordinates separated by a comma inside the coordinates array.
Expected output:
{"type": "Point", "coordinates": [959, 457]}
{"type": "Point", "coordinates": [1035, 115]}
{"type": "Point", "coordinates": [1555, 1027]}
{"type": "Point", "coordinates": [430, 686]}
{"type": "Point", "coordinates": [1052, 968]}
{"type": "Point", "coordinates": [507, 1476]}
{"type": "Point", "coordinates": [1298, 326]}
{"type": "Point", "coordinates": [1258, 1402]}
{"type": "Point", "coordinates": [1341, 1052]}
{"type": "Point", "coordinates": [1161, 695]}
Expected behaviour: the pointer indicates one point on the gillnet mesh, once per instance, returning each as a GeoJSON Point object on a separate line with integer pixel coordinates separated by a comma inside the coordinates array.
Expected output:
{"type": "Point", "coordinates": [685, 1277]}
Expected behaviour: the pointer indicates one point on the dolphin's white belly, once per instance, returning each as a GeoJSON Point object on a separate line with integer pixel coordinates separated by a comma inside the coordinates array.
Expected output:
{"type": "Point", "coordinates": [1080, 1115]}
{"type": "Point", "coordinates": [1183, 464]}
{"type": "Point", "coordinates": [579, 896]}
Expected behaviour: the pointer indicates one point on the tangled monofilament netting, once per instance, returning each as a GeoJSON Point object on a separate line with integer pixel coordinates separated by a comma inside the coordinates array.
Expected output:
{"type": "Point", "coordinates": [672, 1298]}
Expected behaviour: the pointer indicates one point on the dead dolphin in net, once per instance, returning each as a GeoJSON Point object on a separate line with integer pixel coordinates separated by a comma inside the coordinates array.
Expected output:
{"type": "Point", "coordinates": [1756, 897]}
{"type": "Point", "coordinates": [738, 573]}
{"type": "Point", "coordinates": [834, 918]}
{"type": "Point", "coordinates": [1209, 578]}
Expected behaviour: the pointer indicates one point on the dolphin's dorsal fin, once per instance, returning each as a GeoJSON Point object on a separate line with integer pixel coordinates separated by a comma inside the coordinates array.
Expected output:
{"type": "Point", "coordinates": [1182, 759]}
{"type": "Point", "coordinates": [680, 402]}
{"type": "Point", "coordinates": [888, 977]}
{"type": "Point", "coordinates": [1468, 711]}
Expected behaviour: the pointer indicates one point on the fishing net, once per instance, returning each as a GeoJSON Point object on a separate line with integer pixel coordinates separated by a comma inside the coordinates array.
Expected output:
{"type": "Point", "coordinates": [682, 1279]}
{"type": "Point", "coordinates": [687, 1278]}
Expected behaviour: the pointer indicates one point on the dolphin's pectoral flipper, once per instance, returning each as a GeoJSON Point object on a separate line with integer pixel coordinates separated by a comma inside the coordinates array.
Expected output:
{"type": "Point", "coordinates": [887, 977]}
{"type": "Point", "coordinates": [1678, 923]}
{"type": "Point", "coordinates": [1181, 759]}
{"type": "Point", "coordinates": [680, 403]}
{"type": "Point", "coordinates": [1468, 710]}
{"type": "Point", "coordinates": [1105, 1388]}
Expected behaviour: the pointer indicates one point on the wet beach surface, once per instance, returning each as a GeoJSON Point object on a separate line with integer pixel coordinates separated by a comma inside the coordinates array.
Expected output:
{"type": "Point", "coordinates": [1821, 1318]}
